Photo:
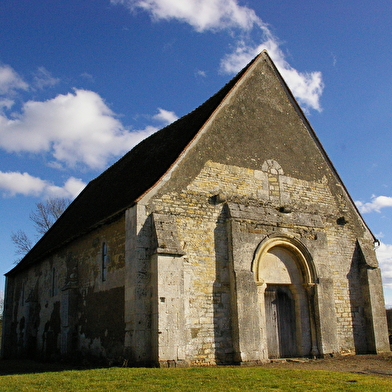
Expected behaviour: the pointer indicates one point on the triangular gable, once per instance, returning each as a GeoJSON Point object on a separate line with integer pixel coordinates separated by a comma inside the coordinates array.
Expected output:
{"type": "Point", "coordinates": [294, 130]}
{"type": "Point", "coordinates": [143, 168]}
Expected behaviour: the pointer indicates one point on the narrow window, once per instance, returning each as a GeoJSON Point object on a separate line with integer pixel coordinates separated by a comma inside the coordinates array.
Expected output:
{"type": "Point", "coordinates": [54, 285]}
{"type": "Point", "coordinates": [104, 261]}
{"type": "Point", "coordinates": [23, 294]}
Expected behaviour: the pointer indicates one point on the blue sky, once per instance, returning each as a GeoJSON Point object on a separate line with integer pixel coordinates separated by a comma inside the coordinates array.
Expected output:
{"type": "Point", "coordinates": [83, 81]}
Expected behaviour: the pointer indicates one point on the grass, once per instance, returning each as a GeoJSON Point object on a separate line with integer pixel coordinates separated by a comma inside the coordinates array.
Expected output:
{"type": "Point", "coordinates": [29, 376]}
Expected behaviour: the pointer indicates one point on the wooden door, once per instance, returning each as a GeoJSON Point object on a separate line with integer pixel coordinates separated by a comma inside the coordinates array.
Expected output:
{"type": "Point", "coordinates": [280, 322]}
{"type": "Point", "coordinates": [271, 315]}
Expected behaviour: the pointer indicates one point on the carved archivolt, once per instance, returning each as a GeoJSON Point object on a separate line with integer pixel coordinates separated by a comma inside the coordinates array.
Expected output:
{"type": "Point", "coordinates": [283, 260]}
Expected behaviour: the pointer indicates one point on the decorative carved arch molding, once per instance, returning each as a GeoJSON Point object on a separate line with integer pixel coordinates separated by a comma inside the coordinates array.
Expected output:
{"type": "Point", "coordinates": [286, 278]}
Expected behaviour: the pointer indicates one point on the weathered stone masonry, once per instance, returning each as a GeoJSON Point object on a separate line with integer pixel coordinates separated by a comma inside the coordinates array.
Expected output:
{"type": "Point", "coordinates": [227, 237]}
{"type": "Point", "coordinates": [67, 306]}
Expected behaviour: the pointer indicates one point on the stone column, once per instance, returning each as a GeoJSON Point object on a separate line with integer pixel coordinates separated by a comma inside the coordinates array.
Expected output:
{"type": "Point", "coordinates": [261, 287]}
{"type": "Point", "coordinates": [167, 281]}
{"type": "Point", "coordinates": [137, 313]}
{"type": "Point", "coordinates": [310, 289]}
{"type": "Point", "coordinates": [325, 317]}
{"type": "Point", "coordinates": [168, 324]}
{"type": "Point", "coordinates": [375, 311]}
{"type": "Point", "coordinates": [376, 328]}
{"type": "Point", "coordinates": [246, 313]}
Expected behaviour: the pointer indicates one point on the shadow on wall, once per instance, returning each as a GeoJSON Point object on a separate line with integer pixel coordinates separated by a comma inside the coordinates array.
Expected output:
{"type": "Point", "coordinates": [389, 321]}
{"type": "Point", "coordinates": [224, 351]}
{"type": "Point", "coordinates": [363, 333]}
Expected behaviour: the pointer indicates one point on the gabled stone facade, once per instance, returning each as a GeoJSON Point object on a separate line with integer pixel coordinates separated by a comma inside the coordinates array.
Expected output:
{"type": "Point", "coordinates": [245, 246]}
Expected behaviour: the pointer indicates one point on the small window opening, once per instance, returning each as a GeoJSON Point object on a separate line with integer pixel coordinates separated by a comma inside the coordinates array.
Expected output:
{"type": "Point", "coordinates": [104, 261]}
{"type": "Point", "coordinates": [23, 294]}
{"type": "Point", "coordinates": [54, 285]}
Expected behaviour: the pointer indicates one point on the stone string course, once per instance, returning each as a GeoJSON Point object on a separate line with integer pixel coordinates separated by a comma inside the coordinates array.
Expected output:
{"type": "Point", "coordinates": [203, 236]}
{"type": "Point", "coordinates": [62, 292]}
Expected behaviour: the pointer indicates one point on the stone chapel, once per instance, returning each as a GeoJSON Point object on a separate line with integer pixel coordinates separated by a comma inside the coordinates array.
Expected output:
{"type": "Point", "coordinates": [227, 237]}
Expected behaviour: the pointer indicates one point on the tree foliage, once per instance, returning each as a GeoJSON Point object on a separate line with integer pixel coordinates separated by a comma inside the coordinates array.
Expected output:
{"type": "Point", "coordinates": [43, 217]}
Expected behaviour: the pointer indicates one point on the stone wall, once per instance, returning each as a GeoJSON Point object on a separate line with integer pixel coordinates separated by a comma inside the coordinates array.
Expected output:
{"type": "Point", "coordinates": [263, 203]}
{"type": "Point", "coordinates": [181, 282]}
{"type": "Point", "coordinates": [61, 306]}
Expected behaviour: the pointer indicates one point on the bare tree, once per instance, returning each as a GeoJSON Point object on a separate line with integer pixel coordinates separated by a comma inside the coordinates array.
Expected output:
{"type": "Point", "coordinates": [22, 243]}
{"type": "Point", "coordinates": [43, 218]}
{"type": "Point", "coordinates": [47, 213]}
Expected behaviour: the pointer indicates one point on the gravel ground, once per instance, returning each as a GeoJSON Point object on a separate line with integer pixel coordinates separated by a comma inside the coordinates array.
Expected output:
{"type": "Point", "coordinates": [365, 364]}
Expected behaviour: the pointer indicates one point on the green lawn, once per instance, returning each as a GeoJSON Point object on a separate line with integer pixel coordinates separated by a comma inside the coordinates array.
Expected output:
{"type": "Point", "coordinates": [190, 379]}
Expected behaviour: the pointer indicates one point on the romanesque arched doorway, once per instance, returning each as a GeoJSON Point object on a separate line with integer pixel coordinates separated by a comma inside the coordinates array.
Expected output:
{"type": "Point", "coordinates": [285, 277]}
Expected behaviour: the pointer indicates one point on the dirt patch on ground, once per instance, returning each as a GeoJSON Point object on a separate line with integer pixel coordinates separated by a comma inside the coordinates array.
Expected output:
{"type": "Point", "coordinates": [365, 364]}
{"type": "Point", "coordinates": [380, 365]}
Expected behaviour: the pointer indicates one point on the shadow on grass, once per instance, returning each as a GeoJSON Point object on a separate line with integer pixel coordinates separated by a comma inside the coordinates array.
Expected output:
{"type": "Point", "coordinates": [15, 366]}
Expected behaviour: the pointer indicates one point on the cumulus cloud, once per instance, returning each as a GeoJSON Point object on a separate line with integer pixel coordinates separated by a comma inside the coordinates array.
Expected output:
{"type": "Point", "coordinates": [165, 116]}
{"type": "Point", "coordinates": [384, 256]}
{"type": "Point", "coordinates": [16, 183]}
{"type": "Point", "coordinates": [306, 87]}
{"type": "Point", "coordinates": [205, 15]}
{"type": "Point", "coordinates": [75, 129]}
{"type": "Point", "coordinates": [202, 15]}
{"type": "Point", "coordinates": [376, 203]}
{"type": "Point", "coordinates": [10, 81]}
{"type": "Point", "coordinates": [6, 103]}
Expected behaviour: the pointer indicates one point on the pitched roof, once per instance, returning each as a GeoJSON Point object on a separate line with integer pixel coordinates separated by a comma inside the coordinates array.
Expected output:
{"type": "Point", "coordinates": [122, 184]}
{"type": "Point", "coordinates": [119, 187]}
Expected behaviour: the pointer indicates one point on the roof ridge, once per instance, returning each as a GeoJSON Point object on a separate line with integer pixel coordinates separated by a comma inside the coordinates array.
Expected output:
{"type": "Point", "coordinates": [119, 186]}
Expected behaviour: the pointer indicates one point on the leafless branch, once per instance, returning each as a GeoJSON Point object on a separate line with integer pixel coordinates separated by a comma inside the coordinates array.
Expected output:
{"type": "Point", "coordinates": [43, 218]}
{"type": "Point", "coordinates": [22, 242]}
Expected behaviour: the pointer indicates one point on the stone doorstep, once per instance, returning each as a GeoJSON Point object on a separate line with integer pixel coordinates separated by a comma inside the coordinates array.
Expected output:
{"type": "Point", "coordinates": [284, 360]}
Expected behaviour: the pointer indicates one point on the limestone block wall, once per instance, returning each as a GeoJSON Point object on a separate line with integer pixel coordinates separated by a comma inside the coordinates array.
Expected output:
{"type": "Point", "coordinates": [202, 234]}
{"type": "Point", "coordinates": [61, 305]}
{"type": "Point", "coordinates": [318, 213]}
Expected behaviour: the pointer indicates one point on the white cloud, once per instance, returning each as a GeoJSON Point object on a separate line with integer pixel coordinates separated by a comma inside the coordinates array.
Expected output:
{"type": "Point", "coordinates": [43, 78]}
{"type": "Point", "coordinates": [375, 204]}
{"type": "Point", "coordinates": [6, 103]}
{"type": "Point", "coordinates": [306, 87]}
{"type": "Point", "coordinates": [204, 15]}
{"type": "Point", "coordinates": [88, 77]}
{"type": "Point", "coordinates": [200, 73]}
{"type": "Point", "coordinates": [10, 81]}
{"type": "Point", "coordinates": [76, 129]}
{"type": "Point", "coordinates": [165, 116]}
{"type": "Point", "coordinates": [384, 256]}
{"type": "Point", "coordinates": [14, 183]}
{"type": "Point", "coordinates": [71, 188]}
